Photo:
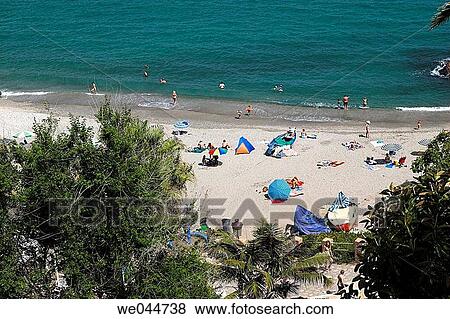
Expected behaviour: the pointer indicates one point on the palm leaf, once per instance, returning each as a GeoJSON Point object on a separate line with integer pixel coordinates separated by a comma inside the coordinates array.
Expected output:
{"type": "Point", "coordinates": [441, 16]}
{"type": "Point", "coordinates": [315, 261]}
{"type": "Point", "coordinates": [232, 295]}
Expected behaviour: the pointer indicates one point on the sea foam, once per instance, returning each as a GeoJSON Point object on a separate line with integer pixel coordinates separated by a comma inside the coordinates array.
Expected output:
{"type": "Point", "coordinates": [13, 93]}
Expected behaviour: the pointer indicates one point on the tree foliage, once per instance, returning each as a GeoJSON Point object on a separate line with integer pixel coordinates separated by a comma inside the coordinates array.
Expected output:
{"type": "Point", "coordinates": [408, 246]}
{"type": "Point", "coordinates": [96, 215]}
{"type": "Point", "coordinates": [437, 156]}
{"type": "Point", "coordinates": [268, 266]}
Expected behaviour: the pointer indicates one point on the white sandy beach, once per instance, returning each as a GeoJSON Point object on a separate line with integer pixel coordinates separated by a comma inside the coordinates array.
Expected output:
{"type": "Point", "coordinates": [233, 190]}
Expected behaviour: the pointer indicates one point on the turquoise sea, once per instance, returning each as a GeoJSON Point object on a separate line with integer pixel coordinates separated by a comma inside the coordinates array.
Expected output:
{"type": "Point", "coordinates": [319, 50]}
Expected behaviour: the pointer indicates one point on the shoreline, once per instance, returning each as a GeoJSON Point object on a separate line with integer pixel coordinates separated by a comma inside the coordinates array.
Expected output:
{"type": "Point", "coordinates": [223, 111]}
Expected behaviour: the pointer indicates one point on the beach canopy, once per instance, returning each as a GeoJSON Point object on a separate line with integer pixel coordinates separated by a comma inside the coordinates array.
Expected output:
{"type": "Point", "coordinates": [244, 146]}
{"type": "Point", "coordinates": [391, 147]}
{"type": "Point", "coordinates": [341, 201]}
{"type": "Point", "coordinates": [218, 151]}
{"type": "Point", "coordinates": [285, 139]}
{"type": "Point", "coordinates": [279, 190]}
{"type": "Point", "coordinates": [425, 142]}
{"type": "Point", "coordinates": [182, 124]}
{"type": "Point", "coordinates": [306, 223]}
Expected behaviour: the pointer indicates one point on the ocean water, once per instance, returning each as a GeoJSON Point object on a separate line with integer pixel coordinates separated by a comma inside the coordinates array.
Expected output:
{"type": "Point", "coordinates": [319, 50]}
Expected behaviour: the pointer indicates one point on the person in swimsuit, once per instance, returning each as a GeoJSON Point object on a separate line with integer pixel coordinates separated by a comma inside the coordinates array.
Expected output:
{"type": "Point", "coordinates": [93, 88]}
{"type": "Point", "coordinates": [221, 85]}
{"type": "Point", "coordinates": [340, 281]}
{"type": "Point", "coordinates": [249, 109]}
{"type": "Point", "coordinates": [345, 100]}
{"type": "Point", "coordinates": [365, 102]}
{"type": "Point", "coordinates": [338, 105]}
{"type": "Point", "coordinates": [225, 144]}
{"type": "Point", "coordinates": [162, 81]}
{"type": "Point", "coordinates": [174, 97]}
{"type": "Point", "coordinates": [367, 129]}
{"type": "Point", "coordinates": [145, 74]}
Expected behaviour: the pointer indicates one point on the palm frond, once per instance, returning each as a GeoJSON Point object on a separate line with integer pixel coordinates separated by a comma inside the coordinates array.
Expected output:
{"type": "Point", "coordinates": [232, 295]}
{"type": "Point", "coordinates": [314, 261]}
{"type": "Point", "coordinates": [254, 289]}
{"type": "Point", "coordinates": [313, 278]}
{"type": "Point", "coordinates": [442, 15]}
{"type": "Point", "coordinates": [239, 264]}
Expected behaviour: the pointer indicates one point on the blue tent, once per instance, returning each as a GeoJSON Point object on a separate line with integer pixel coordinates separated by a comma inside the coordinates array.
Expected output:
{"type": "Point", "coordinates": [307, 223]}
{"type": "Point", "coordinates": [244, 146]}
{"type": "Point", "coordinates": [279, 190]}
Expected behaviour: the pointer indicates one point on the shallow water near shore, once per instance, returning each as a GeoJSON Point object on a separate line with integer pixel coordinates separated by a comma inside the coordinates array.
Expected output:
{"type": "Point", "coordinates": [320, 50]}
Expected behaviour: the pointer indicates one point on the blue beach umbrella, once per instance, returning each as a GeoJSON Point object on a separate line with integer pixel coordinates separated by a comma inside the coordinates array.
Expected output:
{"type": "Point", "coordinates": [279, 190]}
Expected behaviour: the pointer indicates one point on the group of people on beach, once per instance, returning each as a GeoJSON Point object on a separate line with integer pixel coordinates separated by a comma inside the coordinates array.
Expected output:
{"type": "Point", "coordinates": [343, 104]}
{"type": "Point", "coordinates": [248, 111]}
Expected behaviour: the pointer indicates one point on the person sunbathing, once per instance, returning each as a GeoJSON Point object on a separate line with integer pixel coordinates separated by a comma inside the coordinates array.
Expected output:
{"type": "Point", "coordinates": [294, 182]}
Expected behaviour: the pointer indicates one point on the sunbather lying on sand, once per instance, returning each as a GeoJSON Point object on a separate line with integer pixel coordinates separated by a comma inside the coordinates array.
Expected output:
{"type": "Point", "coordinates": [353, 145]}
{"type": "Point", "coordinates": [294, 182]}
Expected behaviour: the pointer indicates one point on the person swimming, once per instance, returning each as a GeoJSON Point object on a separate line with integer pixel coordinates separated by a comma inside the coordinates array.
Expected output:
{"type": "Point", "coordinates": [278, 88]}
{"type": "Point", "coordinates": [145, 74]}
{"type": "Point", "coordinates": [221, 85]}
{"type": "Point", "coordinates": [162, 81]}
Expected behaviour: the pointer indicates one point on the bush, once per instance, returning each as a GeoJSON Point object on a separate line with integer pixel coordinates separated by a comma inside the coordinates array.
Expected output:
{"type": "Point", "coordinates": [343, 245]}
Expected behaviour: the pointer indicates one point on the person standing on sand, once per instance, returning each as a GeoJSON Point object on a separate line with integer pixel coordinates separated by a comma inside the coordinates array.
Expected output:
{"type": "Point", "coordinates": [174, 97]}
{"type": "Point", "coordinates": [365, 102]}
{"type": "Point", "coordinates": [367, 129]}
{"type": "Point", "coordinates": [238, 114]}
{"type": "Point", "coordinates": [249, 109]}
{"type": "Point", "coordinates": [345, 100]}
{"type": "Point", "coordinates": [93, 88]}
{"type": "Point", "coordinates": [419, 124]}
{"type": "Point", "coordinates": [340, 280]}
{"type": "Point", "coordinates": [338, 105]}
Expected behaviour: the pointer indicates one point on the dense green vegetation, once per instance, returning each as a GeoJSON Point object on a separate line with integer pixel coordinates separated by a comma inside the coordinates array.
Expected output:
{"type": "Point", "coordinates": [343, 245]}
{"type": "Point", "coordinates": [268, 266]}
{"type": "Point", "coordinates": [69, 206]}
{"type": "Point", "coordinates": [408, 251]}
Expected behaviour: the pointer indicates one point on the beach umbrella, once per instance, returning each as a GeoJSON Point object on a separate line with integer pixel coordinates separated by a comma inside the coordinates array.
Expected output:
{"type": "Point", "coordinates": [425, 142]}
{"type": "Point", "coordinates": [218, 151]}
{"type": "Point", "coordinates": [279, 190]}
{"type": "Point", "coordinates": [391, 147]}
{"type": "Point", "coordinates": [182, 124]}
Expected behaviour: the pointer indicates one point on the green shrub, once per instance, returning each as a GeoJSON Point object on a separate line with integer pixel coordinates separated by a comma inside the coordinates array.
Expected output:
{"type": "Point", "coordinates": [343, 245]}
